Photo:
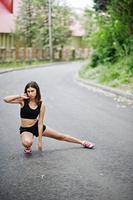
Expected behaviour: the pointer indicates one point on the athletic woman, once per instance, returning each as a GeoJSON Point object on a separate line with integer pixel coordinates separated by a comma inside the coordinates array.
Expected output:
{"type": "Point", "coordinates": [32, 111]}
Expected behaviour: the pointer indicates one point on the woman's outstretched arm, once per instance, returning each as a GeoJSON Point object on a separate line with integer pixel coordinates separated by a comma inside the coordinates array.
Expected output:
{"type": "Point", "coordinates": [40, 126]}
{"type": "Point", "coordinates": [15, 99]}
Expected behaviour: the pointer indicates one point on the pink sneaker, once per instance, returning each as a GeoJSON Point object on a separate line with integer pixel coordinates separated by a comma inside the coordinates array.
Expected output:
{"type": "Point", "coordinates": [27, 151]}
{"type": "Point", "coordinates": [87, 144]}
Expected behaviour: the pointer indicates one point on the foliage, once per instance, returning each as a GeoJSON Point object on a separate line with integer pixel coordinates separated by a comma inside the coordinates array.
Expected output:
{"type": "Point", "coordinates": [100, 4]}
{"type": "Point", "coordinates": [111, 58]}
{"type": "Point", "coordinates": [116, 74]}
{"type": "Point", "coordinates": [89, 23]}
{"type": "Point", "coordinates": [61, 18]}
{"type": "Point", "coordinates": [113, 38]}
{"type": "Point", "coordinates": [25, 24]}
{"type": "Point", "coordinates": [32, 23]}
{"type": "Point", "coordinates": [22, 64]}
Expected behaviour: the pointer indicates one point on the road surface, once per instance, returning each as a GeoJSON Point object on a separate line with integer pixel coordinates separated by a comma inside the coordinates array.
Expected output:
{"type": "Point", "coordinates": [66, 171]}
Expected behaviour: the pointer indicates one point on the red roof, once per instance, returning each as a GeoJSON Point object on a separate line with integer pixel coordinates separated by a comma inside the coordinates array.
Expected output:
{"type": "Point", "coordinates": [8, 4]}
{"type": "Point", "coordinates": [8, 13]}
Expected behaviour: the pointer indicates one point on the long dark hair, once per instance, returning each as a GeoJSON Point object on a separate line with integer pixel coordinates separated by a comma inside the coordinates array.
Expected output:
{"type": "Point", "coordinates": [33, 84]}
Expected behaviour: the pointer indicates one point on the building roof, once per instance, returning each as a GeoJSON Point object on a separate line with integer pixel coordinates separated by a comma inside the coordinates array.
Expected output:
{"type": "Point", "coordinates": [8, 4]}
{"type": "Point", "coordinates": [8, 13]}
{"type": "Point", "coordinates": [76, 28]}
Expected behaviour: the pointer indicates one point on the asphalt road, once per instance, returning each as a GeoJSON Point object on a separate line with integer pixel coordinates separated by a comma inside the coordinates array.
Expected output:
{"type": "Point", "coordinates": [65, 171]}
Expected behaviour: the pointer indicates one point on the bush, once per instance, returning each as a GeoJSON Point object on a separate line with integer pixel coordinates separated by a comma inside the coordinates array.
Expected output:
{"type": "Point", "coordinates": [94, 60]}
{"type": "Point", "coordinates": [113, 38]}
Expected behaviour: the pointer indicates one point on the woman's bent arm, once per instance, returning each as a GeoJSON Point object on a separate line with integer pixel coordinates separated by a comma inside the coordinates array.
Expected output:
{"type": "Point", "coordinates": [13, 99]}
{"type": "Point", "coordinates": [16, 98]}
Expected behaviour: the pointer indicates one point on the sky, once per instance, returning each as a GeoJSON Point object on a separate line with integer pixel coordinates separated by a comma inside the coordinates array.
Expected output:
{"type": "Point", "coordinates": [80, 3]}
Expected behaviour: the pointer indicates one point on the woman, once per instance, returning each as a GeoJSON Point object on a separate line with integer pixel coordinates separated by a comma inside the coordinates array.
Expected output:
{"type": "Point", "coordinates": [32, 113]}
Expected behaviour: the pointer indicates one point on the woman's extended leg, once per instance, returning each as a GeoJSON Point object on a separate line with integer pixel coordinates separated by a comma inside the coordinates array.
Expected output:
{"type": "Point", "coordinates": [27, 141]}
{"type": "Point", "coordinates": [64, 137]}
{"type": "Point", "coordinates": [60, 136]}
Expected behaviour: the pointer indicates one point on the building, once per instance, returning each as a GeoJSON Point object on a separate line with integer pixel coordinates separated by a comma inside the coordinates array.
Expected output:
{"type": "Point", "coordinates": [77, 33]}
{"type": "Point", "coordinates": [8, 13]}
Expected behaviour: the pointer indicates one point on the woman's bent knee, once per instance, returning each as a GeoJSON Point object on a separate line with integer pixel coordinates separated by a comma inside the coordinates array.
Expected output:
{"type": "Point", "coordinates": [27, 139]}
{"type": "Point", "coordinates": [27, 143]}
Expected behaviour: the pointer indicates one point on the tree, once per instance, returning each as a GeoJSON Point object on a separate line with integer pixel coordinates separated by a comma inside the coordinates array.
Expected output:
{"type": "Point", "coordinates": [25, 23]}
{"type": "Point", "coordinates": [60, 24]}
{"type": "Point", "coordinates": [88, 21]}
{"type": "Point", "coordinates": [32, 22]}
{"type": "Point", "coordinates": [114, 37]}
{"type": "Point", "coordinates": [101, 5]}
{"type": "Point", "coordinates": [41, 23]}
{"type": "Point", "coordinates": [131, 10]}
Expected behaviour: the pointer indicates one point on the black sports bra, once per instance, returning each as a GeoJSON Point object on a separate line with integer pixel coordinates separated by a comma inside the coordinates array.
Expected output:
{"type": "Point", "coordinates": [29, 113]}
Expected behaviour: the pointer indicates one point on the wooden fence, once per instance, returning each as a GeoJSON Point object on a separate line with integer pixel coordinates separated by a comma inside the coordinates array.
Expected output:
{"type": "Point", "coordinates": [32, 54]}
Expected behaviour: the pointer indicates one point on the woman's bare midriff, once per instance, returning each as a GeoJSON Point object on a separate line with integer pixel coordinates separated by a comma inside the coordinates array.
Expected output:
{"type": "Point", "coordinates": [28, 122]}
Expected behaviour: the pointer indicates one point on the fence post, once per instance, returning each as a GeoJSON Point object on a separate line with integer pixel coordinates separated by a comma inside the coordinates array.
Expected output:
{"type": "Point", "coordinates": [73, 54]}
{"type": "Point", "coordinates": [3, 55]}
{"type": "Point", "coordinates": [60, 53]}
{"type": "Point", "coordinates": [29, 55]}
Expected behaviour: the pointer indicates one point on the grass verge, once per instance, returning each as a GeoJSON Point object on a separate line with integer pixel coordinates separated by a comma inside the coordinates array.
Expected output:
{"type": "Point", "coordinates": [21, 64]}
{"type": "Point", "coordinates": [118, 75]}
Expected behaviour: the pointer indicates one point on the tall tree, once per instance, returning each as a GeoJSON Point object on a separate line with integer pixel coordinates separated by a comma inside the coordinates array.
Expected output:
{"type": "Point", "coordinates": [131, 6]}
{"type": "Point", "coordinates": [113, 38]}
{"type": "Point", "coordinates": [25, 23]}
{"type": "Point", "coordinates": [60, 24]}
{"type": "Point", "coordinates": [101, 5]}
{"type": "Point", "coordinates": [33, 23]}
{"type": "Point", "coordinates": [41, 23]}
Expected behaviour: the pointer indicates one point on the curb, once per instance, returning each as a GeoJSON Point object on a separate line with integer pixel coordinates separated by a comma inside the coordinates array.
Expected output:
{"type": "Point", "coordinates": [2, 71]}
{"type": "Point", "coordinates": [105, 88]}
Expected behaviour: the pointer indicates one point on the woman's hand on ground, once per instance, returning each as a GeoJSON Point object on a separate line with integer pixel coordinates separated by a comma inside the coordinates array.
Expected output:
{"type": "Point", "coordinates": [40, 145]}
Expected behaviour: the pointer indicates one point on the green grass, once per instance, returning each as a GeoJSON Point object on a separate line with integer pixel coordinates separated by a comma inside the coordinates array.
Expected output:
{"type": "Point", "coordinates": [119, 74]}
{"type": "Point", "coordinates": [21, 64]}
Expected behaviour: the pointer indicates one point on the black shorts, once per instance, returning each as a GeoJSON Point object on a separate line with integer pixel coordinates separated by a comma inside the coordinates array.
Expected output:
{"type": "Point", "coordinates": [32, 129]}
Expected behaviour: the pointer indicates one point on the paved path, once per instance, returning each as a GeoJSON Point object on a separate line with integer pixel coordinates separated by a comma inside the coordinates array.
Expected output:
{"type": "Point", "coordinates": [65, 171]}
